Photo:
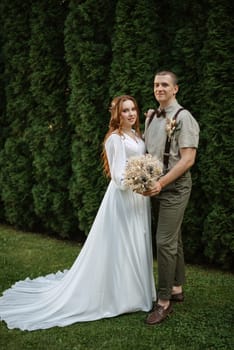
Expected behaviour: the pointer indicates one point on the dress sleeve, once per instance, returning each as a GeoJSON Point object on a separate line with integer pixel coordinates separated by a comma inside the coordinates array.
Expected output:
{"type": "Point", "coordinates": [116, 156]}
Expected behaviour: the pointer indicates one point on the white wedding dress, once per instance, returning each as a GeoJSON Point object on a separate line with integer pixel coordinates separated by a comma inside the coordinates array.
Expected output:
{"type": "Point", "coordinates": [113, 273]}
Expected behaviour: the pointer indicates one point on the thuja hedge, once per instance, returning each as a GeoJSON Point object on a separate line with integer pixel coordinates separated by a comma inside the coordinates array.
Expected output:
{"type": "Point", "coordinates": [15, 158]}
{"type": "Point", "coordinates": [61, 62]}
{"type": "Point", "coordinates": [88, 30]}
{"type": "Point", "coordinates": [48, 132]}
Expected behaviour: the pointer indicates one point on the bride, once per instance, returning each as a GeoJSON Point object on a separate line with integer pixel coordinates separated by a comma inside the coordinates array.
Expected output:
{"type": "Point", "coordinates": [113, 273]}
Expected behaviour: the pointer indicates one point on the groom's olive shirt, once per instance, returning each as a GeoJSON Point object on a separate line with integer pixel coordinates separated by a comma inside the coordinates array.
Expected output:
{"type": "Point", "coordinates": [185, 135]}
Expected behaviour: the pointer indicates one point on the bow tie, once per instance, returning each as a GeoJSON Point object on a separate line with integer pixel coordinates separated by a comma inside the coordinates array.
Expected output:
{"type": "Point", "coordinates": [160, 113]}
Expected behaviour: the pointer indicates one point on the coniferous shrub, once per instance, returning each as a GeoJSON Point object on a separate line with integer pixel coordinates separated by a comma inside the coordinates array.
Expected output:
{"type": "Point", "coordinates": [15, 159]}
{"type": "Point", "coordinates": [88, 53]}
{"type": "Point", "coordinates": [216, 164]}
{"type": "Point", "coordinates": [135, 51]}
{"type": "Point", "coordinates": [49, 132]}
{"type": "Point", "coordinates": [3, 127]}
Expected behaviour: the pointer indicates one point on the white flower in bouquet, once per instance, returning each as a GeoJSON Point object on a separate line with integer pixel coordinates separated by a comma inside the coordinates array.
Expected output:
{"type": "Point", "coordinates": [141, 172]}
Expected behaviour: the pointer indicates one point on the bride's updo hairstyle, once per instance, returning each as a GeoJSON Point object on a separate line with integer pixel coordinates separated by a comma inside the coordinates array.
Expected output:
{"type": "Point", "coordinates": [115, 124]}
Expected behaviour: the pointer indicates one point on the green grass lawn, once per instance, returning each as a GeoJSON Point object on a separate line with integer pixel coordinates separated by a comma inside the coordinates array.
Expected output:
{"type": "Point", "coordinates": [204, 321]}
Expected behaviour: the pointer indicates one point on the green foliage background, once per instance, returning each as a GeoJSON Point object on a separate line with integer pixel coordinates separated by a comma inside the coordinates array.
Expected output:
{"type": "Point", "coordinates": [61, 62]}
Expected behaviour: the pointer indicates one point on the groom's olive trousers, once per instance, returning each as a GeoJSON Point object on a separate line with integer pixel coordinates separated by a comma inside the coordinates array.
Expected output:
{"type": "Point", "coordinates": [168, 211]}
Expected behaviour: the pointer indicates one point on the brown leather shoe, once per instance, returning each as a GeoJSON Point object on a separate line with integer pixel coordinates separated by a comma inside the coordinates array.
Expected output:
{"type": "Point", "coordinates": [159, 314]}
{"type": "Point", "coordinates": [179, 297]}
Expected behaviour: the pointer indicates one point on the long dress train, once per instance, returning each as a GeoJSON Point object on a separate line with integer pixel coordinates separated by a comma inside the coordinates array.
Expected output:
{"type": "Point", "coordinates": [113, 273]}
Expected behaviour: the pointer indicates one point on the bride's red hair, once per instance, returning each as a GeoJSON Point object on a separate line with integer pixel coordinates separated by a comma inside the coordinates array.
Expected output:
{"type": "Point", "coordinates": [115, 125]}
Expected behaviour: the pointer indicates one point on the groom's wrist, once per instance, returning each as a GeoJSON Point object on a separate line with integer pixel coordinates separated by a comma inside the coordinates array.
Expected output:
{"type": "Point", "coordinates": [161, 182]}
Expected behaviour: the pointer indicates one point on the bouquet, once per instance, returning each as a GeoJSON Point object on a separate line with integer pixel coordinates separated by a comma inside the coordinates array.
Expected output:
{"type": "Point", "coordinates": [141, 172]}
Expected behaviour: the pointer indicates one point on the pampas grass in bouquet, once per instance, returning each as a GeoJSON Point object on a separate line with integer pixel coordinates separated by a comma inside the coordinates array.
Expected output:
{"type": "Point", "coordinates": [141, 172]}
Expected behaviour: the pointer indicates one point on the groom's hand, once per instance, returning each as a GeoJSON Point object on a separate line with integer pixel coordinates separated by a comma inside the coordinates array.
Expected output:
{"type": "Point", "coordinates": [155, 190]}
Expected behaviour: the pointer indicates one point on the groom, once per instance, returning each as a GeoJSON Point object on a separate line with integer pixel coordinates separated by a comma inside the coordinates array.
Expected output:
{"type": "Point", "coordinates": [172, 135]}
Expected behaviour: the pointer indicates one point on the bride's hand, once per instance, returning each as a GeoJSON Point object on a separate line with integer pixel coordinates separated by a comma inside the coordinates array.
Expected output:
{"type": "Point", "coordinates": [148, 113]}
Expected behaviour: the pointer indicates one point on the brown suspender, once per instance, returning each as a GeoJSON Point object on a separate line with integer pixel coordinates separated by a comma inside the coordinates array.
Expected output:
{"type": "Point", "coordinates": [168, 145]}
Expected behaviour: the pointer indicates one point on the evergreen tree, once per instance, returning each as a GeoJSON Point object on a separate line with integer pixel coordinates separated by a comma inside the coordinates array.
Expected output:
{"type": "Point", "coordinates": [48, 132]}
{"type": "Point", "coordinates": [3, 127]}
{"type": "Point", "coordinates": [88, 53]}
{"type": "Point", "coordinates": [15, 159]}
{"type": "Point", "coordinates": [136, 52]}
{"type": "Point", "coordinates": [216, 164]}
